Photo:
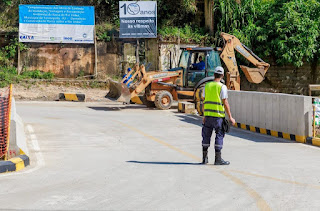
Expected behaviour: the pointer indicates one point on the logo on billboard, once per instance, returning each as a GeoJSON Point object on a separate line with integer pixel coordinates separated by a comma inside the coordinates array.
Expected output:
{"type": "Point", "coordinates": [67, 38]}
{"type": "Point", "coordinates": [52, 38]}
{"type": "Point", "coordinates": [84, 35]}
{"type": "Point", "coordinates": [133, 9]}
{"type": "Point", "coordinates": [27, 37]}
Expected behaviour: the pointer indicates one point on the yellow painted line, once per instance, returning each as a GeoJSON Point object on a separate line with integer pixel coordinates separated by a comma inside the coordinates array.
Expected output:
{"type": "Point", "coordinates": [263, 131]}
{"type": "Point", "coordinates": [252, 129]}
{"type": "Point", "coordinates": [71, 97]}
{"type": "Point", "coordinates": [243, 126]}
{"type": "Point", "coordinates": [274, 133]}
{"type": "Point", "coordinates": [261, 203]}
{"type": "Point", "coordinates": [301, 139]}
{"type": "Point", "coordinates": [22, 152]}
{"type": "Point", "coordinates": [162, 142]}
{"type": "Point", "coordinates": [19, 163]}
{"type": "Point", "coordinates": [286, 136]}
{"type": "Point", "coordinates": [276, 179]}
{"type": "Point", "coordinates": [316, 142]}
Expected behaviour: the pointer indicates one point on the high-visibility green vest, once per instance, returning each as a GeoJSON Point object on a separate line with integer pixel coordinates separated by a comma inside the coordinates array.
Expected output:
{"type": "Point", "coordinates": [212, 103]}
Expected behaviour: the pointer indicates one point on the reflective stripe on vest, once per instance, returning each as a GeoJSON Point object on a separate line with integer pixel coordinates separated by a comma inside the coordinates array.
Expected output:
{"type": "Point", "coordinates": [213, 105]}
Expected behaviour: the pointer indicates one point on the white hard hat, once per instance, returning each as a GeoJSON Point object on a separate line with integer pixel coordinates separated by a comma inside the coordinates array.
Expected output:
{"type": "Point", "coordinates": [219, 70]}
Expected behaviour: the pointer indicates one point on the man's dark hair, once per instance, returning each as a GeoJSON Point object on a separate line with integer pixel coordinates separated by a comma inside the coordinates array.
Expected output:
{"type": "Point", "coordinates": [216, 75]}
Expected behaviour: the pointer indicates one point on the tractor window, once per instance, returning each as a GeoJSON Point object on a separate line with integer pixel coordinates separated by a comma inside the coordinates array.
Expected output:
{"type": "Point", "coordinates": [184, 59]}
{"type": "Point", "coordinates": [198, 57]}
{"type": "Point", "coordinates": [197, 68]}
{"type": "Point", "coordinates": [213, 61]}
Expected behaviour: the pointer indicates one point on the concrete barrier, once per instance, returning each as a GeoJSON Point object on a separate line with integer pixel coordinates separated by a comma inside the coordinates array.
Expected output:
{"type": "Point", "coordinates": [18, 143]}
{"type": "Point", "coordinates": [72, 97]}
{"type": "Point", "coordinates": [186, 107]}
{"type": "Point", "coordinates": [18, 151]}
{"type": "Point", "coordinates": [289, 116]}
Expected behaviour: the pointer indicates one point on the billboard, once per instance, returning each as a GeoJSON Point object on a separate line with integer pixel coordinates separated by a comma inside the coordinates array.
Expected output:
{"type": "Point", "coordinates": [56, 24]}
{"type": "Point", "coordinates": [138, 19]}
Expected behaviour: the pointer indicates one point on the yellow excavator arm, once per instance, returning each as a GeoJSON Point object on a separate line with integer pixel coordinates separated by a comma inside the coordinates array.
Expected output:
{"type": "Point", "coordinates": [254, 75]}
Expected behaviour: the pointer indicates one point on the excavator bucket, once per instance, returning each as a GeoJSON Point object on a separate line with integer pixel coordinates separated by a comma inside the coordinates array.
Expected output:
{"type": "Point", "coordinates": [254, 75]}
{"type": "Point", "coordinates": [118, 92]}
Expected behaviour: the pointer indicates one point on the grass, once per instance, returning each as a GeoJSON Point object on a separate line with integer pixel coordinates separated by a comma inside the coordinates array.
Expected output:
{"type": "Point", "coordinates": [9, 75]}
{"type": "Point", "coordinates": [186, 34]}
{"type": "Point", "coordinates": [105, 31]}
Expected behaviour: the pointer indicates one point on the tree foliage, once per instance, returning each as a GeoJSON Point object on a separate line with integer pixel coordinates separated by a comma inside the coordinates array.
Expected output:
{"type": "Point", "coordinates": [285, 30]}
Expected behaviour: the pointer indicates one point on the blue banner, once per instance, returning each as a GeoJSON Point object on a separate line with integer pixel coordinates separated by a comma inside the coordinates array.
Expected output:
{"type": "Point", "coordinates": [54, 14]}
{"type": "Point", "coordinates": [56, 24]}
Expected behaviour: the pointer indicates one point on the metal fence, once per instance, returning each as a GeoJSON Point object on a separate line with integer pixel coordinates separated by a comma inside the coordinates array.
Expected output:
{"type": "Point", "coordinates": [5, 107]}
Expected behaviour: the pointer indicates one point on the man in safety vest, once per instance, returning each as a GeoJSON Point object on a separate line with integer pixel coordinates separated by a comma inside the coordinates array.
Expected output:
{"type": "Point", "coordinates": [215, 106]}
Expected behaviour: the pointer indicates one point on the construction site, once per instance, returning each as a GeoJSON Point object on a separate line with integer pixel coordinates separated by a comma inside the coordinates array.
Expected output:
{"type": "Point", "coordinates": [136, 105]}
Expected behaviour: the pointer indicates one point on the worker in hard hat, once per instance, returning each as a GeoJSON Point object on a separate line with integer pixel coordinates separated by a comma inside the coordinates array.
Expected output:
{"type": "Point", "coordinates": [215, 106]}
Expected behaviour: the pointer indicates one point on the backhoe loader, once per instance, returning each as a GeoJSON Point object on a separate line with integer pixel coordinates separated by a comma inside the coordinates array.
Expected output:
{"type": "Point", "coordinates": [186, 82]}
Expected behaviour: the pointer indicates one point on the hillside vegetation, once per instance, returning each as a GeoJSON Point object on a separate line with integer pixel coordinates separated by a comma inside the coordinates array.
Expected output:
{"type": "Point", "coordinates": [286, 30]}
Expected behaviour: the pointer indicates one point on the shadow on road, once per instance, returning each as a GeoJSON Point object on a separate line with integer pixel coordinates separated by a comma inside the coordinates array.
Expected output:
{"type": "Point", "coordinates": [236, 132]}
{"type": "Point", "coordinates": [119, 108]}
{"type": "Point", "coordinates": [163, 163]}
{"type": "Point", "coordinates": [123, 107]}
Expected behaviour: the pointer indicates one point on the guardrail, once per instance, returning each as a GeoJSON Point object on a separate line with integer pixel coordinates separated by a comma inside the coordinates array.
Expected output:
{"type": "Point", "coordinates": [5, 111]}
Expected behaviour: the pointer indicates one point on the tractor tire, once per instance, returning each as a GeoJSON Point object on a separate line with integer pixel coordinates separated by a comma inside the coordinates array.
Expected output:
{"type": "Point", "coordinates": [163, 100]}
{"type": "Point", "coordinates": [198, 99]}
{"type": "Point", "coordinates": [146, 102]}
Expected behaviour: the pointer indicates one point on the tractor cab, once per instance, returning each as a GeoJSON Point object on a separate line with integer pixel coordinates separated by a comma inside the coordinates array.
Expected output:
{"type": "Point", "coordinates": [198, 63]}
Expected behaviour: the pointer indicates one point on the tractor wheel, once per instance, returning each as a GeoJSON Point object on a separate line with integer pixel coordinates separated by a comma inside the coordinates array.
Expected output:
{"type": "Point", "coordinates": [163, 100]}
{"type": "Point", "coordinates": [147, 103]}
{"type": "Point", "coordinates": [198, 99]}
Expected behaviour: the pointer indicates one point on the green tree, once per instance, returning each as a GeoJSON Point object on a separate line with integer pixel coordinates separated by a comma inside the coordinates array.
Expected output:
{"type": "Point", "coordinates": [293, 31]}
{"type": "Point", "coordinates": [285, 30]}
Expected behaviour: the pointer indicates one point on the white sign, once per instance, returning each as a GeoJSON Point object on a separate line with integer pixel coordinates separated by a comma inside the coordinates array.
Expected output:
{"type": "Point", "coordinates": [56, 24]}
{"type": "Point", "coordinates": [138, 19]}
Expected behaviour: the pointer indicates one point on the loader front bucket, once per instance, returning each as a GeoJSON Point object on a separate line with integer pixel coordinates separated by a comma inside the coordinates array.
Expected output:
{"type": "Point", "coordinates": [118, 92]}
{"type": "Point", "coordinates": [254, 75]}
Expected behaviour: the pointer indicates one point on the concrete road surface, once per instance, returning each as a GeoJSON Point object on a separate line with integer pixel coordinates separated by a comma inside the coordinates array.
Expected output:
{"type": "Point", "coordinates": [106, 156]}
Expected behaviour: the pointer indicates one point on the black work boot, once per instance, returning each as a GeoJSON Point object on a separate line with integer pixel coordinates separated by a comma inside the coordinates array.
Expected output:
{"type": "Point", "coordinates": [204, 156]}
{"type": "Point", "coordinates": [219, 160]}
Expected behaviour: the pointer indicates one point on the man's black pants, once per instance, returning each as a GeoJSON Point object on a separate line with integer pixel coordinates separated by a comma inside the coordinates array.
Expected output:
{"type": "Point", "coordinates": [208, 126]}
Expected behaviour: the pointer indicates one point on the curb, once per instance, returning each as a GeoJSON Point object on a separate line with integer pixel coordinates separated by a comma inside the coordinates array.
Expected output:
{"type": "Point", "coordinates": [14, 164]}
{"type": "Point", "coordinates": [292, 137]}
{"type": "Point", "coordinates": [313, 141]}
{"type": "Point", "coordinates": [72, 97]}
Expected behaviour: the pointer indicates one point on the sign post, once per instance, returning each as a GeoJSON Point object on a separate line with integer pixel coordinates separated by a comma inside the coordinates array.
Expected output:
{"type": "Point", "coordinates": [138, 19]}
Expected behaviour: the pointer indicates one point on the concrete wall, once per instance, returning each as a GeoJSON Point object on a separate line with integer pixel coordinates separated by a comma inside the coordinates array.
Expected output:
{"type": "Point", "coordinates": [109, 58]}
{"type": "Point", "coordinates": [65, 60]}
{"type": "Point", "coordinates": [286, 79]}
{"type": "Point", "coordinates": [279, 112]}
{"type": "Point", "coordinates": [113, 58]}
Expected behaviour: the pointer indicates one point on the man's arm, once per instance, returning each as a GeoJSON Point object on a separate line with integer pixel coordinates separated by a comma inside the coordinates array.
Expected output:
{"type": "Point", "coordinates": [227, 108]}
